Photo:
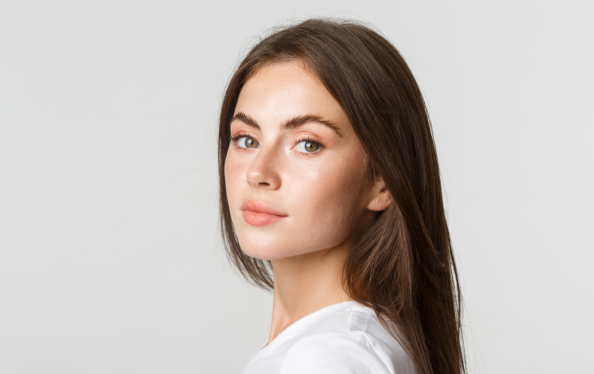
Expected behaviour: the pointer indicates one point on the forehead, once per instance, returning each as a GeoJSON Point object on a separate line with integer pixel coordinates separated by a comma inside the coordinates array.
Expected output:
{"type": "Point", "coordinates": [284, 90]}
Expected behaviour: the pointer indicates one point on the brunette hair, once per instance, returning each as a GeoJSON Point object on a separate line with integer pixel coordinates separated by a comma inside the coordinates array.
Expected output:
{"type": "Point", "coordinates": [402, 266]}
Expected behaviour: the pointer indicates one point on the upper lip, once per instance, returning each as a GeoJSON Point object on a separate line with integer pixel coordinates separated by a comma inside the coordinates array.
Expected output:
{"type": "Point", "coordinates": [260, 207]}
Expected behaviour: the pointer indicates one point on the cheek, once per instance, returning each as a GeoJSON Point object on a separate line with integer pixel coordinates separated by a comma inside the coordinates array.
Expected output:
{"type": "Point", "coordinates": [234, 170]}
{"type": "Point", "coordinates": [234, 182]}
{"type": "Point", "coordinates": [326, 201]}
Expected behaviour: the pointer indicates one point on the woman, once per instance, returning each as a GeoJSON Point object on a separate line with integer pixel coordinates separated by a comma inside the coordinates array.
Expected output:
{"type": "Point", "coordinates": [331, 197]}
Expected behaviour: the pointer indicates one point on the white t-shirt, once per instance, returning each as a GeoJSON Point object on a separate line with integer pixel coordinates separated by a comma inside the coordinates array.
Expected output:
{"type": "Point", "coordinates": [344, 338]}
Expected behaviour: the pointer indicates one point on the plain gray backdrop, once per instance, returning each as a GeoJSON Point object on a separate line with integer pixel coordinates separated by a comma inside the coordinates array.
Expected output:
{"type": "Point", "coordinates": [110, 257]}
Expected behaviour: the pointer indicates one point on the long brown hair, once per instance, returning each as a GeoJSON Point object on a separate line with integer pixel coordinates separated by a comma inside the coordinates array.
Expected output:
{"type": "Point", "coordinates": [402, 266]}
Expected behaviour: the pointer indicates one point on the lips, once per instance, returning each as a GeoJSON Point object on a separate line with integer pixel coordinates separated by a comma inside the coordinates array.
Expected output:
{"type": "Point", "coordinates": [260, 207]}
{"type": "Point", "coordinates": [257, 213]}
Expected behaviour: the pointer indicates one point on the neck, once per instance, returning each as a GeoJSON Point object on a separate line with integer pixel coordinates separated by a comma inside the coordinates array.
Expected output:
{"type": "Point", "coordinates": [306, 283]}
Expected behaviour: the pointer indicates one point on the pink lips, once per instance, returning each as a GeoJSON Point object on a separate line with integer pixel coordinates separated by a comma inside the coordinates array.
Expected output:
{"type": "Point", "coordinates": [257, 213]}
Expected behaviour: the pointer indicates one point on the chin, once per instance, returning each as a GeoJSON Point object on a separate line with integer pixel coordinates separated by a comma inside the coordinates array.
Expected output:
{"type": "Point", "coordinates": [265, 250]}
{"type": "Point", "coordinates": [262, 253]}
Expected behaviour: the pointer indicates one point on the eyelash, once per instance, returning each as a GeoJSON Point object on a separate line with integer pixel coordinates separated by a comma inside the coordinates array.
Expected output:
{"type": "Point", "coordinates": [235, 138]}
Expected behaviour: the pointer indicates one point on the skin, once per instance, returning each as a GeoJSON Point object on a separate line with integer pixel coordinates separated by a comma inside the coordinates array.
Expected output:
{"type": "Point", "coordinates": [320, 186]}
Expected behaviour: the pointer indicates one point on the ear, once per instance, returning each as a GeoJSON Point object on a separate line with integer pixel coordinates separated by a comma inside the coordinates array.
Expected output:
{"type": "Point", "coordinates": [381, 198]}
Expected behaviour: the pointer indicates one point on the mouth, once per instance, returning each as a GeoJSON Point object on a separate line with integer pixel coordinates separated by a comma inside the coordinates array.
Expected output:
{"type": "Point", "coordinates": [258, 213]}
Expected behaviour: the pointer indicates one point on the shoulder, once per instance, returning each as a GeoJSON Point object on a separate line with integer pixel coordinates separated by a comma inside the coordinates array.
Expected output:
{"type": "Point", "coordinates": [344, 352]}
{"type": "Point", "coordinates": [333, 352]}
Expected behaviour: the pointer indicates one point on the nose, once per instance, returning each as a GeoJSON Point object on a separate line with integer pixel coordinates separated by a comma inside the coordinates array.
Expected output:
{"type": "Point", "coordinates": [264, 171]}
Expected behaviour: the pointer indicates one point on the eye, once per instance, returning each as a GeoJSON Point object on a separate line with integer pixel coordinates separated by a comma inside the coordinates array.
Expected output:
{"type": "Point", "coordinates": [246, 142]}
{"type": "Point", "coordinates": [308, 146]}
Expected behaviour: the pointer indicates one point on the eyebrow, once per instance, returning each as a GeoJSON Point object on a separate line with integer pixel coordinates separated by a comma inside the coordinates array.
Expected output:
{"type": "Point", "coordinates": [291, 123]}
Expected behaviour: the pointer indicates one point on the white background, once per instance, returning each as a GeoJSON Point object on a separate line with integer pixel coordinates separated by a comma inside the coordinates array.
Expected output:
{"type": "Point", "coordinates": [110, 257]}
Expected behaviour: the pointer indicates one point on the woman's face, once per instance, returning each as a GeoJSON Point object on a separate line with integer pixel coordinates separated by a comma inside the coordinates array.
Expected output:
{"type": "Point", "coordinates": [294, 154]}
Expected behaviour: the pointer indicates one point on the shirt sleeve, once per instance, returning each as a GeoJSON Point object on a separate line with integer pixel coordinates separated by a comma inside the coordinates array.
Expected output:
{"type": "Point", "coordinates": [335, 353]}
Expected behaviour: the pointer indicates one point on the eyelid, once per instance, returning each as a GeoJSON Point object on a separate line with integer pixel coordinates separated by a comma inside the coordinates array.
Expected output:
{"type": "Point", "coordinates": [243, 133]}
{"type": "Point", "coordinates": [240, 134]}
{"type": "Point", "coordinates": [308, 135]}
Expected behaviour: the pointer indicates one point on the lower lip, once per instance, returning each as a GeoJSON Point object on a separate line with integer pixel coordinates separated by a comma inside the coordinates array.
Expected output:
{"type": "Point", "coordinates": [259, 219]}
